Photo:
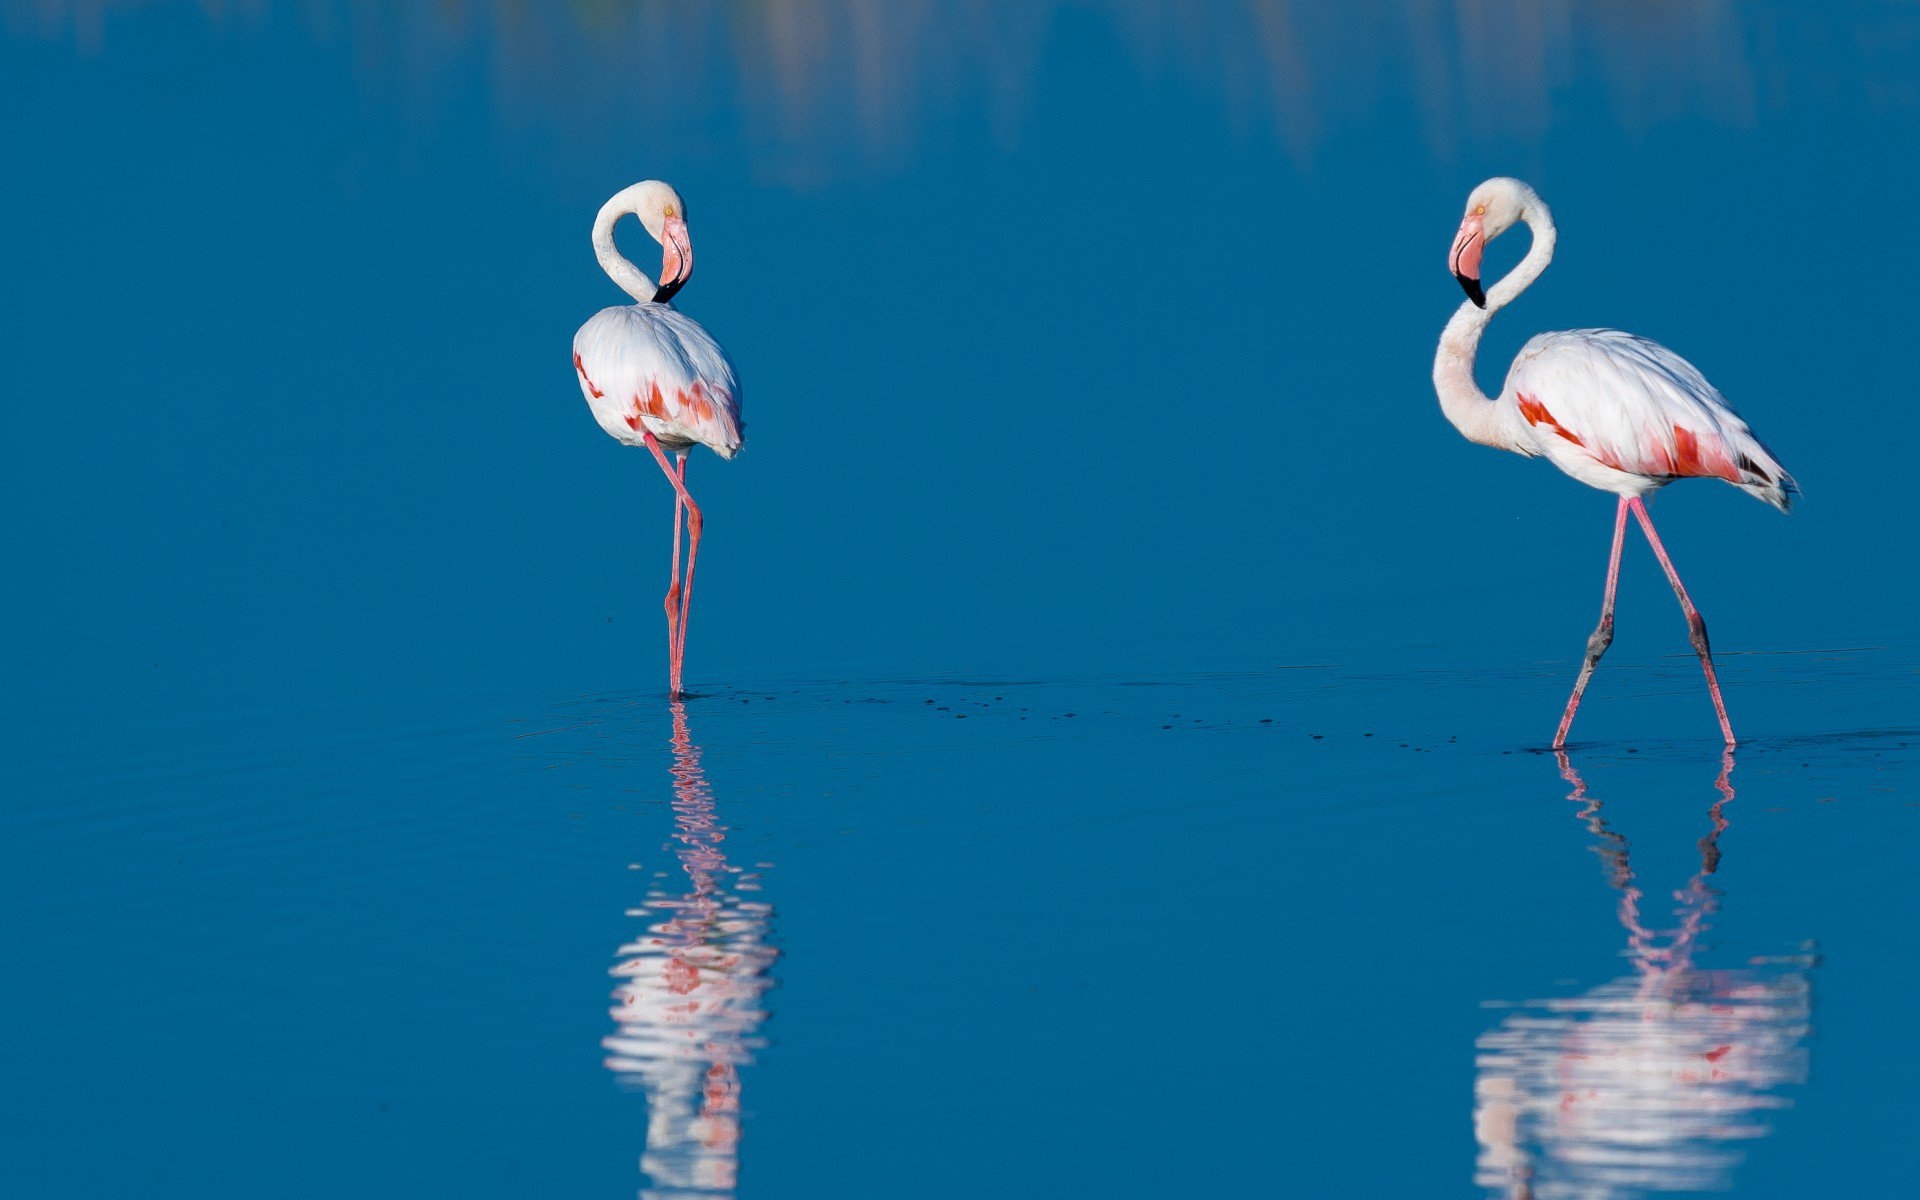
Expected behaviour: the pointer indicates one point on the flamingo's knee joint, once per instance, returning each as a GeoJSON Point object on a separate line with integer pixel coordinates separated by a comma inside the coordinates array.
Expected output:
{"type": "Point", "coordinates": [1601, 638]}
{"type": "Point", "coordinates": [1697, 634]}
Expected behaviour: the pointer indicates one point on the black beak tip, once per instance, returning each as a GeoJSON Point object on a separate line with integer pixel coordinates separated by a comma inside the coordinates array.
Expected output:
{"type": "Point", "coordinates": [666, 290]}
{"type": "Point", "coordinates": [1471, 286]}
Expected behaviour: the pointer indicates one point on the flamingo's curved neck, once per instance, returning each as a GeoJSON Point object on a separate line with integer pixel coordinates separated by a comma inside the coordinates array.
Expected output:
{"type": "Point", "coordinates": [1476, 416]}
{"type": "Point", "coordinates": [632, 280]}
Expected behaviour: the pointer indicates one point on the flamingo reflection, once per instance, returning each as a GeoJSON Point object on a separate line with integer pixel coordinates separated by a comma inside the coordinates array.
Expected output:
{"type": "Point", "coordinates": [1647, 1083]}
{"type": "Point", "coordinates": [688, 1004]}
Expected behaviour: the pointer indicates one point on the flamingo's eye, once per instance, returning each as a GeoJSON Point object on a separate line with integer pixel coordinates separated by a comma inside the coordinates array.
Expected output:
{"type": "Point", "coordinates": [669, 212]}
{"type": "Point", "coordinates": [1479, 210]}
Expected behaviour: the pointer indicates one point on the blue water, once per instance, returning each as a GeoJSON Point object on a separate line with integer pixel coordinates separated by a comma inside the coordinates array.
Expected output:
{"type": "Point", "coordinates": [1117, 761]}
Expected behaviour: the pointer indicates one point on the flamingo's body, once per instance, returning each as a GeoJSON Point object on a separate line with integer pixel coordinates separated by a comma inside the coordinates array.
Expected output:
{"type": "Point", "coordinates": [653, 377]}
{"type": "Point", "coordinates": [1614, 411]}
{"type": "Point", "coordinates": [1626, 415]}
{"type": "Point", "coordinates": [647, 369]}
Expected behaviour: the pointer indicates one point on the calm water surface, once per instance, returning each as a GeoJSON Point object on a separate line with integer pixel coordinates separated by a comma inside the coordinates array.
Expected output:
{"type": "Point", "coordinates": [1118, 764]}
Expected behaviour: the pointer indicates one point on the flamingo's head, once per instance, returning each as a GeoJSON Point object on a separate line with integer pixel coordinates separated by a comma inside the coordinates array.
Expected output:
{"type": "Point", "coordinates": [664, 214]}
{"type": "Point", "coordinates": [1493, 208]}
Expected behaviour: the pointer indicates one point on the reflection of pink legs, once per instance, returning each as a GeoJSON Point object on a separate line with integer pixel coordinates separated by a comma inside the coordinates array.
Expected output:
{"type": "Point", "coordinates": [676, 591]}
{"type": "Point", "coordinates": [1710, 844]}
{"type": "Point", "coordinates": [1602, 635]}
{"type": "Point", "coordinates": [1657, 963]}
{"type": "Point", "coordinates": [1696, 626]}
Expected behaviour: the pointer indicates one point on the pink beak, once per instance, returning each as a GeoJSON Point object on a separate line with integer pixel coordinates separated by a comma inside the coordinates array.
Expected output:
{"type": "Point", "coordinates": [676, 258]}
{"type": "Point", "coordinates": [1464, 259]}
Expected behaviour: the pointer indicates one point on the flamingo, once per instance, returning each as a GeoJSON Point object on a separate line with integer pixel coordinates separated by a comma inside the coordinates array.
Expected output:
{"type": "Point", "coordinates": [655, 378]}
{"type": "Point", "coordinates": [1615, 411]}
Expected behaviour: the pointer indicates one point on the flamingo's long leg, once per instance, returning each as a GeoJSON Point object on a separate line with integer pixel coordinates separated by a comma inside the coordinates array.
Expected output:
{"type": "Point", "coordinates": [1696, 625]}
{"type": "Point", "coordinates": [672, 604]}
{"type": "Point", "coordinates": [693, 548]}
{"type": "Point", "coordinates": [678, 480]}
{"type": "Point", "coordinates": [1602, 635]}
{"type": "Point", "coordinates": [693, 552]}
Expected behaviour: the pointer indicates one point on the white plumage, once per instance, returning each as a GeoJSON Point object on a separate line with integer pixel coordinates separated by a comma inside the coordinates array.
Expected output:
{"type": "Point", "coordinates": [1627, 415]}
{"type": "Point", "coordinates": [647, 368]}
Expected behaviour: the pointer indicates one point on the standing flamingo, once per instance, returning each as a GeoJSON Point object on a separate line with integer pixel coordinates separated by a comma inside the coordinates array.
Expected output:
{"type": "Point", "coordinates": [1615, 411]}
{"type": "Point", "coordinates": [654, 378]}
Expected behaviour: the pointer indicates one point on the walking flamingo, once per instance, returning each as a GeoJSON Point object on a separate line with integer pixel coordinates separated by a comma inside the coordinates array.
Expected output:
{"type": "Point", "coordinates": [1615, 411]}
{"type": "Point", "coordinates": [654, 378]}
